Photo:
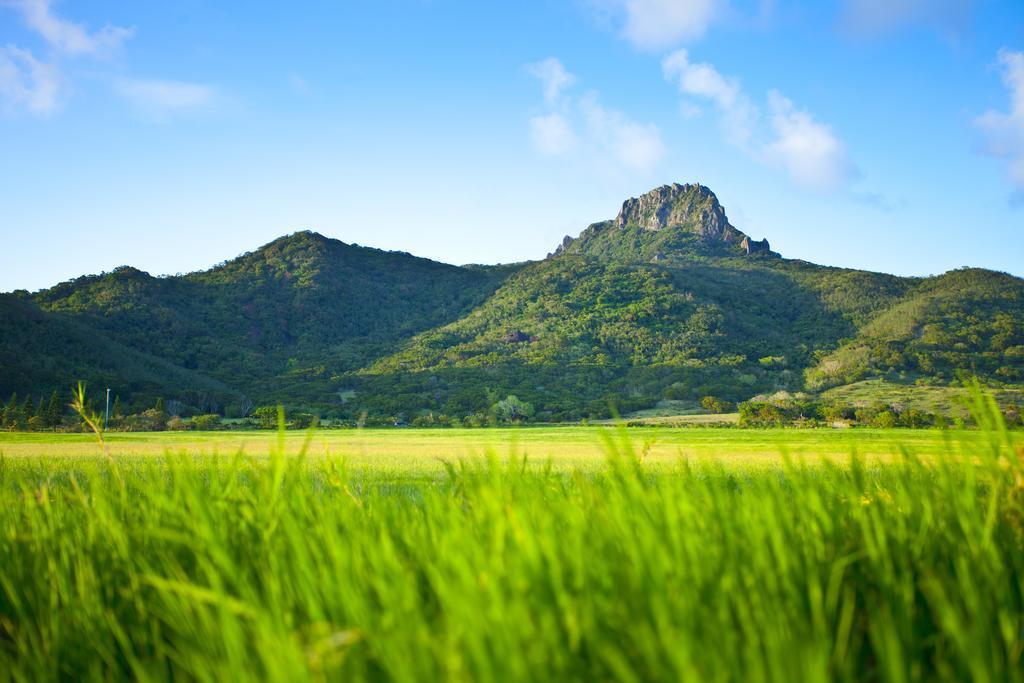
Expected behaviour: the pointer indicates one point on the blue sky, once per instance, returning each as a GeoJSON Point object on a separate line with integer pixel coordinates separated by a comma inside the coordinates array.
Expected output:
{"type": "Point", "coordinates": [878, 134]}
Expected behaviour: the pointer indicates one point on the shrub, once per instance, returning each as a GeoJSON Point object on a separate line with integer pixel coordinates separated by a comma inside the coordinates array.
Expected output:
{"type": "Point", "coordinates": [206, 422]}
{"type": "Point", "coordinates": [265, 417]}
{"type": "Point", "coordinates": [715, 405]}
{"type": "Point", "coordinates": [301, 420]}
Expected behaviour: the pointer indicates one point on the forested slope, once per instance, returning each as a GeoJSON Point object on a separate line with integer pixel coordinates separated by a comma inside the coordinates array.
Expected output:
{"type": "Point", "coordinates": [668, 300]}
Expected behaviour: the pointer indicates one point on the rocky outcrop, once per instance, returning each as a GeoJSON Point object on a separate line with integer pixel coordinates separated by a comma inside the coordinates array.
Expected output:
{"type": "Point", "coordinates": [692, 207]}
{"type": "Point", "coordinates": [566, 241]}
{"type": "Point", "coordinates": [755, 247]}
{"type": "Point", "coordinates": [662, 216]}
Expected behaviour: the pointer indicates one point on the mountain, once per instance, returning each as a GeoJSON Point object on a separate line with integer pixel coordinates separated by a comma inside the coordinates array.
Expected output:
{"type": "Point", "coordinates": [273, 324]}
{"type": "Point", "coordinates": [668, 300]}
{"type": "Point", "coordinates": [966, 320]}
{"type": "Point", "coordinates": [41, 352]}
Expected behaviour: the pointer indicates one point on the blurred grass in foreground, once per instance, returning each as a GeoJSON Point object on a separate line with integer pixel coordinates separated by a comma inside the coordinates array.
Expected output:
{"type": "Point", "coordinates": [295, 568]}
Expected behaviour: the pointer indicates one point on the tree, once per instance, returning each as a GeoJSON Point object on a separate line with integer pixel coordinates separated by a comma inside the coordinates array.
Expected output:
{"type": "Point", "coordinates": [835, 412]}
{"type": "Point", "coordinates": [28, 409]}
{"type": "Point", "coordinates": [10, 417]}
{"type": "Point", "coordinates": [715, 405]}
{"type": "Point", "coordinates": [302, 420]}
{"type": "Point", "coordinates": [54, 411]}
{"type": "Point", "coordinates": [885, 419]}
{"type": "Point", "coordinates": [159, 407]}
{"type": "Point", "coordinates": [917, 419]}
{"type": "Point", "coordinates": [512, 409]}
{"type": "Point", "coordinates": [116, 410]}
{"type": "Point", "coordinates": [206, 422]}
{"type": "Point", "coordinates": [761, 414]}
{"type": "Point", "coordinates": [266, 416]}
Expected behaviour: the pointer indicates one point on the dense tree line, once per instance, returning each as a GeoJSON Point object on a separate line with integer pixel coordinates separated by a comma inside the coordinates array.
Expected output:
{"type": "Point", "coordinates": [805, 411]}
{"type": "Point", "coordinates": [31, 414]}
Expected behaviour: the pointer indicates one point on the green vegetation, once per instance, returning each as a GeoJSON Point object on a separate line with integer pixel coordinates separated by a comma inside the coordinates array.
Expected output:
{"type": "Point", "coordinates": [414, 451]}
{"type": "Point", "coordinates": [295, 565]}
{"type": "Point", "coordinates": [272, 325]}
{"type": "Point", "coordinates": [661, 304]}
{"type": "Point", "coordinates": [948, 401]}
{"type": "Point", "coordinates": [966, 321]}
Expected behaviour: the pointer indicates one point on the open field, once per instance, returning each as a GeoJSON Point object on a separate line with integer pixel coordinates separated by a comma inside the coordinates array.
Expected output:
{"type": "Point", "coordinates": [402, 452]}
{"type": "Point", "coordinates": [442, 555]}
{"type": "Point", "coordinates": [160, 564]}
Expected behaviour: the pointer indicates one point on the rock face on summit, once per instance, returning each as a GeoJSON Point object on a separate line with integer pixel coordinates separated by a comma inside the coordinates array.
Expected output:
{"type": "Point", "coordinates": [689, 209]}
{"type": "Point", "coordinates": [693, 207]}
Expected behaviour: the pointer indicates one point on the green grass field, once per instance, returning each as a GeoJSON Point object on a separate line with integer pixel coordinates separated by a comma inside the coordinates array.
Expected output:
{"type": "Point", "coordinates": [408, 452]}
{"type": "Point", "coordinates": [442, 555]}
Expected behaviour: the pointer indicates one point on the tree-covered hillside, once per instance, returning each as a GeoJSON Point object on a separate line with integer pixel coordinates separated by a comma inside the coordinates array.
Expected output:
{"type": "Point", "coordinates": [968, 320]}
{"type": "Point", "coordinates": [667, 301]}
{"type": "Point", "coordinates": [278, 322]}
{"type": "Point", "coordinates": [41, 352]}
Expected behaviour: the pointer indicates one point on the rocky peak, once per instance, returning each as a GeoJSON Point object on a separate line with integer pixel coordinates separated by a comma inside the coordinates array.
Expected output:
{"type": "Point", "coordinates": [694, 208]}
{"type": "Point", "coordinates": [663, 221]}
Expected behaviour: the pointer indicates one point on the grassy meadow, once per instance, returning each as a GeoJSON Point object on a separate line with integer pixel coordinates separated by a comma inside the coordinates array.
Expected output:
{"type": "Point", "coordinates": [412, 452]}
{"type": "Point", "coordinates": [514, 555]}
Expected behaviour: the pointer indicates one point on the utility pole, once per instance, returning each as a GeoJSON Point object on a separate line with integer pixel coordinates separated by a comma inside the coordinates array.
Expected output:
{"type": "Point", "coordinates": [106, 415]}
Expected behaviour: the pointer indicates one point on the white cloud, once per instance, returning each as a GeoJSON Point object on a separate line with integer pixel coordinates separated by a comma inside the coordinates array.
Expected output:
{"type": "Point", "coordinates": [160, 98]}
{"type": "Point", "coordinates": [36, 86]}
{"type": "Point", "coordinates": [637, 146]}
{"type": "Point", "coordinates": [27, 83]}
{"type": "Point", "coordinates": [701, 79]}
{"type": "Point", "coordinates": [551, 134]}
{"type": "Point", "coordinates": [1004, 132]}
{"type": "Point", "coordinates": [873, 17]}
{"type": "Point", "coordinates": [704, 81]}
{"type": "Point", "coordinates": [67, 36]}
{"type": "Point", "coordinates": [658, 24]}
{"type": "Point", "coordinates": [553, 77]}
{"type": "Point", "coordinates": [814, 157]}
{"type": "Point", "coordinates": [582, 125]}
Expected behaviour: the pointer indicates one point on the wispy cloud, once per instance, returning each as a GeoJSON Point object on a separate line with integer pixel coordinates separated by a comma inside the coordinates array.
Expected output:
{"type": "Point", "coordinates": [582, 124]}
{"type": "Point", "coordinates": [791, 139]}
{"type": "Point", "coordinates": [30, 84]}
{"type": "Point", "coordinates": [659, 24]}
{"type": "Point", "coordinates": [552, 134]}
{"type": "Point", "coordinates": [67, 36]}
{"type": "Point", "coordinates": [161, 98]}
{"type": "Point", "coordinates": [809, 151]}
{"type": "Point", "coordinates": [637, 146]}
{"type": "Point", "coordinates": [704, 81]}
{"type": "Point", "coordinates": [27, 83]}
{"type": "Point", "coordinates": [1003, 132]}
{"type": "Point", "coordinates": [553, 77]}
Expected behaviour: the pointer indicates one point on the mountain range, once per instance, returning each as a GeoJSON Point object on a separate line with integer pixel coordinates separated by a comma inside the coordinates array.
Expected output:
{"type": "Point", "coordinates": [668, 300]}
